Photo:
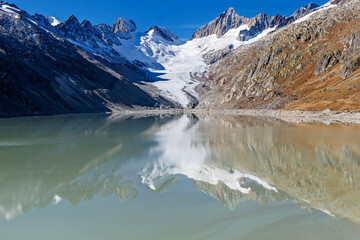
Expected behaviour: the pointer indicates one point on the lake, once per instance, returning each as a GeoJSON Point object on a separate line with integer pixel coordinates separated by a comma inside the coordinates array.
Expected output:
{"type": "Point", "coordinates": [178, 177]}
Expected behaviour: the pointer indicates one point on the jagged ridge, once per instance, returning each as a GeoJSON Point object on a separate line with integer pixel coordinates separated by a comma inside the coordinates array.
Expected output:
{"type": "Point", "coordinates": [230, 19]}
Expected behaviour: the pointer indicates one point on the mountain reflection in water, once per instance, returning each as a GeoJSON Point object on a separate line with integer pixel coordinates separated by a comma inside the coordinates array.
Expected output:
{"type": "Point", "coordinates": [44, 161]}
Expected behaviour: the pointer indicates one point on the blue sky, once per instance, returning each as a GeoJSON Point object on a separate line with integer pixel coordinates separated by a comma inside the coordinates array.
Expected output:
{"type": "Point", "coordinates": [181, 17]}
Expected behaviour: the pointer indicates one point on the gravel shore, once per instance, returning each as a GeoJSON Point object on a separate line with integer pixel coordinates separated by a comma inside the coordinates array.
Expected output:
{"type": "Point", "coordinates": [327, 116]}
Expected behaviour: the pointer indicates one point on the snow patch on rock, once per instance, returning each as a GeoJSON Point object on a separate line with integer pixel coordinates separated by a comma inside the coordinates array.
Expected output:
{"type": "Point", "coordinates": [53, 21]}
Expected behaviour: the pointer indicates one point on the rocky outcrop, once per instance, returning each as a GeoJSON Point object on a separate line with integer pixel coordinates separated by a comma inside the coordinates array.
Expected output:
{"type": "Point", "coordinates": [83, 33]}
{"type": "Point", "coordinates": [326, 61]}
{"type": "Point", "coordinates": [107, 35]}
{"type": "Point", "coordinates": [351, 61]}
{"type": "Point", "coordinates": [70, 27]}
{"type": "Point", "coordinates": [260, 23]}
{"type": "Point", "coordinates": [226, 21]}
{"type": "Point", "coordinates": [213, 57]}
{"type": "Point", "coordinates": [123, 28]}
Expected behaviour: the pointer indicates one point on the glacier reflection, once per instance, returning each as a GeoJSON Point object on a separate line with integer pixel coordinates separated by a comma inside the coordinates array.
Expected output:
{"type": "Point", "coordinates": [48, 160]}
{"type": "Point", "coordinates": [183, 151]}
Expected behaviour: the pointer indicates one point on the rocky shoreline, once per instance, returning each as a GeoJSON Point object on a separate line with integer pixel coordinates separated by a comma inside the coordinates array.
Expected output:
{"type": "Point", "coordinates": [296, 116]}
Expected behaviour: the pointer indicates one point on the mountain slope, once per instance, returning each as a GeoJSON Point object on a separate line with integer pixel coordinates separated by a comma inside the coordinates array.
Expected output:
{"type": "Point", "coordinates": [312, 64]}
{"type": "Point", "coordinates": [47, 70]}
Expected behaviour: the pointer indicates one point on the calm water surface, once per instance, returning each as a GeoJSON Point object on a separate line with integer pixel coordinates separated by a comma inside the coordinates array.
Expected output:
{"type": "Point", "coordinates": [178, 177]}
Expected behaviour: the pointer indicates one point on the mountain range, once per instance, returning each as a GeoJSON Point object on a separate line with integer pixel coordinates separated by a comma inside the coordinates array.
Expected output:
{"type": "Point", "coordinates": [52, 67]}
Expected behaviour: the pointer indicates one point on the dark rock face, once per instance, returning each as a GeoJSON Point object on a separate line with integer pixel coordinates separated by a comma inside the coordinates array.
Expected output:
{"type": "Point", "coordinates": [44, 71]}
{"type": "Point", "coordinates": [328, 60]}
{"type": "Point", "coordinates": [164, 33]}
{"type": "Point", "coordinates": [107, 35]}
{"type": "Point", "coordinates": [42, 20]}
{"type": "Point", "coordinates": [83, 33]}
{"type": "Point", "coordinates": [351, 61]}
{"type": "Point", "coordinates": [226, 21]}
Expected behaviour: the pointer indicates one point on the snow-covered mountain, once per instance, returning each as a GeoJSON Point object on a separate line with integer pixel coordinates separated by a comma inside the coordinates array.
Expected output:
{"type": "Point", "coordinates": [53, 21]}
{"type": "Point", "coordinates": [155, 64]}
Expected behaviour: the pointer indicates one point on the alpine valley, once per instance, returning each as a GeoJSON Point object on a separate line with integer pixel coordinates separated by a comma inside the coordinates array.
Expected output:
{"type": "Point", "coordinates": [307, 61]}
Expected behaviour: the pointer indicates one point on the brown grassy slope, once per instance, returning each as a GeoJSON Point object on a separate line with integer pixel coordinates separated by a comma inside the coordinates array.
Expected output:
{"type": "Point", "coordinates": [313, 65]}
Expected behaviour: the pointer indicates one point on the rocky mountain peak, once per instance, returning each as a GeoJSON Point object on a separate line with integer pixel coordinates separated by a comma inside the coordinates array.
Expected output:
{"type": "Point", "coordinates": [71, 28]}
{"type": "Point", "coordinates": [230, 12]}
{"type": "Point", "coordinates": [258, 24]}
{"type": "Point", "coordinates": [123, 27]}
{"type": "Point", "coordinates": [103, 26]}
{"type": "Point", "coordinates": [304, 9]}
{"type": "Point", "coordinates": [41, 20]}
{"type": "Point", "coordinates": [107, 35]}
{"type": "Point", "coordinates": [261, 15]}
{"type": "Point", "coordinates": [83, 33]}
{"type": "Point", "coordinates": [86, 24]}
{"type": "Point", "coordinates": [72, 21]}
{"type": "Point", "coordinates": [2, 3]}
{"type": "Point", "coordinates": [13, 10]}
{"type": "Point", "coordinates": [164, 33]}
{"type": "Point", "coordinates": [229, 19]}
{"type": "Point", "coordinates": [260, 19]}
